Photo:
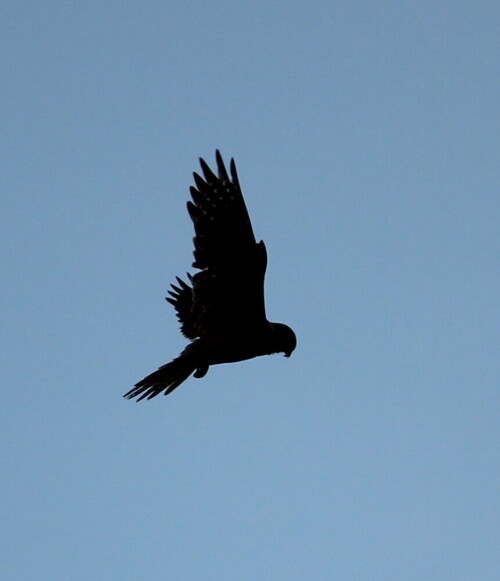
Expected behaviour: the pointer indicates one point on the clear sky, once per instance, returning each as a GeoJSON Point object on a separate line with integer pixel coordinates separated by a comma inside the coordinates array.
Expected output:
{"type": "Point", "coordinates": [367, 137]}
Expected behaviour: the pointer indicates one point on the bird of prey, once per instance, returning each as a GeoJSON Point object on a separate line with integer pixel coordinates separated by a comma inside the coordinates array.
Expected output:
{"type": "Point", "coordinates": [221, 308]}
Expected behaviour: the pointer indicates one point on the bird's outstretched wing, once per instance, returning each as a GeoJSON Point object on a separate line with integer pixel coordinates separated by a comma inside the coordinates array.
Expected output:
{"type": "Point", "coordinates": [181, 297]}
{"type": "Point", "coordinates": [228, 292]}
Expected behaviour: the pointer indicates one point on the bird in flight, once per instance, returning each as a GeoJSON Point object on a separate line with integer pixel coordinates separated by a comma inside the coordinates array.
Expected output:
{"type": "Point", "coordinates": [221, 307]}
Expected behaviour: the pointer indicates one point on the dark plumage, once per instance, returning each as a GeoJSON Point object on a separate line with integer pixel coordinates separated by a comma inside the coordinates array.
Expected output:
{"type": "Point", "coordinates": [221, 308]}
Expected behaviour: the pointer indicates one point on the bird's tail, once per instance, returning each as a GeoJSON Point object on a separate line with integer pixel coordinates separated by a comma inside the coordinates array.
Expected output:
{"type": "Point", "coordinates": [166, 378]}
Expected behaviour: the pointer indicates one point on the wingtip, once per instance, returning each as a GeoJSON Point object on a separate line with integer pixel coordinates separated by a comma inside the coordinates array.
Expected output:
{"type": "Point", "coordinates": [207, 172]}
{"type": "Point", "coordinates": [221, 167]}
{"type": "Point", "coordinates": [192, 209]}
{"type": "Point", "coordinates": [234, 173]}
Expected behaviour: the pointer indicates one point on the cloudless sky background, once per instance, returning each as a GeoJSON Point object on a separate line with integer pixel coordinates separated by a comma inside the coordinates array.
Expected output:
{"type": "Point", "coordinates": [366, 136]}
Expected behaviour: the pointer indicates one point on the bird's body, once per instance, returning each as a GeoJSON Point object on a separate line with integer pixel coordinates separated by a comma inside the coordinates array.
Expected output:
{"type": "Point", "coordinates": [222, 309]}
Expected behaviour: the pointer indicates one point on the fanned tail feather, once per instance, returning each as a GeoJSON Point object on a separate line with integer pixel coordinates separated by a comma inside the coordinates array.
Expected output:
{"type": "Point", "coordinates": [166, 378]}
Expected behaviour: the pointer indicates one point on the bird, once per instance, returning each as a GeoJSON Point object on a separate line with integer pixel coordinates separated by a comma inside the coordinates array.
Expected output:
{"type": "Point", "coordinates": [220, 308]}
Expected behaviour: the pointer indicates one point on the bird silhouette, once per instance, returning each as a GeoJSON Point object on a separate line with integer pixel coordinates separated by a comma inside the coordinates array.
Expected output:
{"type": "Point", "coordinates": [221, 308]}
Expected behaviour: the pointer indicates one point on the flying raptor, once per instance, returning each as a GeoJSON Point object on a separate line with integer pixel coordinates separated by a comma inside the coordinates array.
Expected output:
{"type": "Point", "coordinates": [221, 308]}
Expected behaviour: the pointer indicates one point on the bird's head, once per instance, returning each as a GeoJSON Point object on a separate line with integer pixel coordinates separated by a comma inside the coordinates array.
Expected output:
{"type": "Point", "coordinates": [284, 339]}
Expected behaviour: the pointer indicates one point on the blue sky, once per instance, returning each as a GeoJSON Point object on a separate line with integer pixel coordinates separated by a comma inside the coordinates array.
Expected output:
{"type": "Point", "coordinates": [366, 138]}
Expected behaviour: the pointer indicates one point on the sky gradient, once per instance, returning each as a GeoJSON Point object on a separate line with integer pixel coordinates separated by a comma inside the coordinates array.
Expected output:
{"type": "Point", "coordinates": [366, 136]}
